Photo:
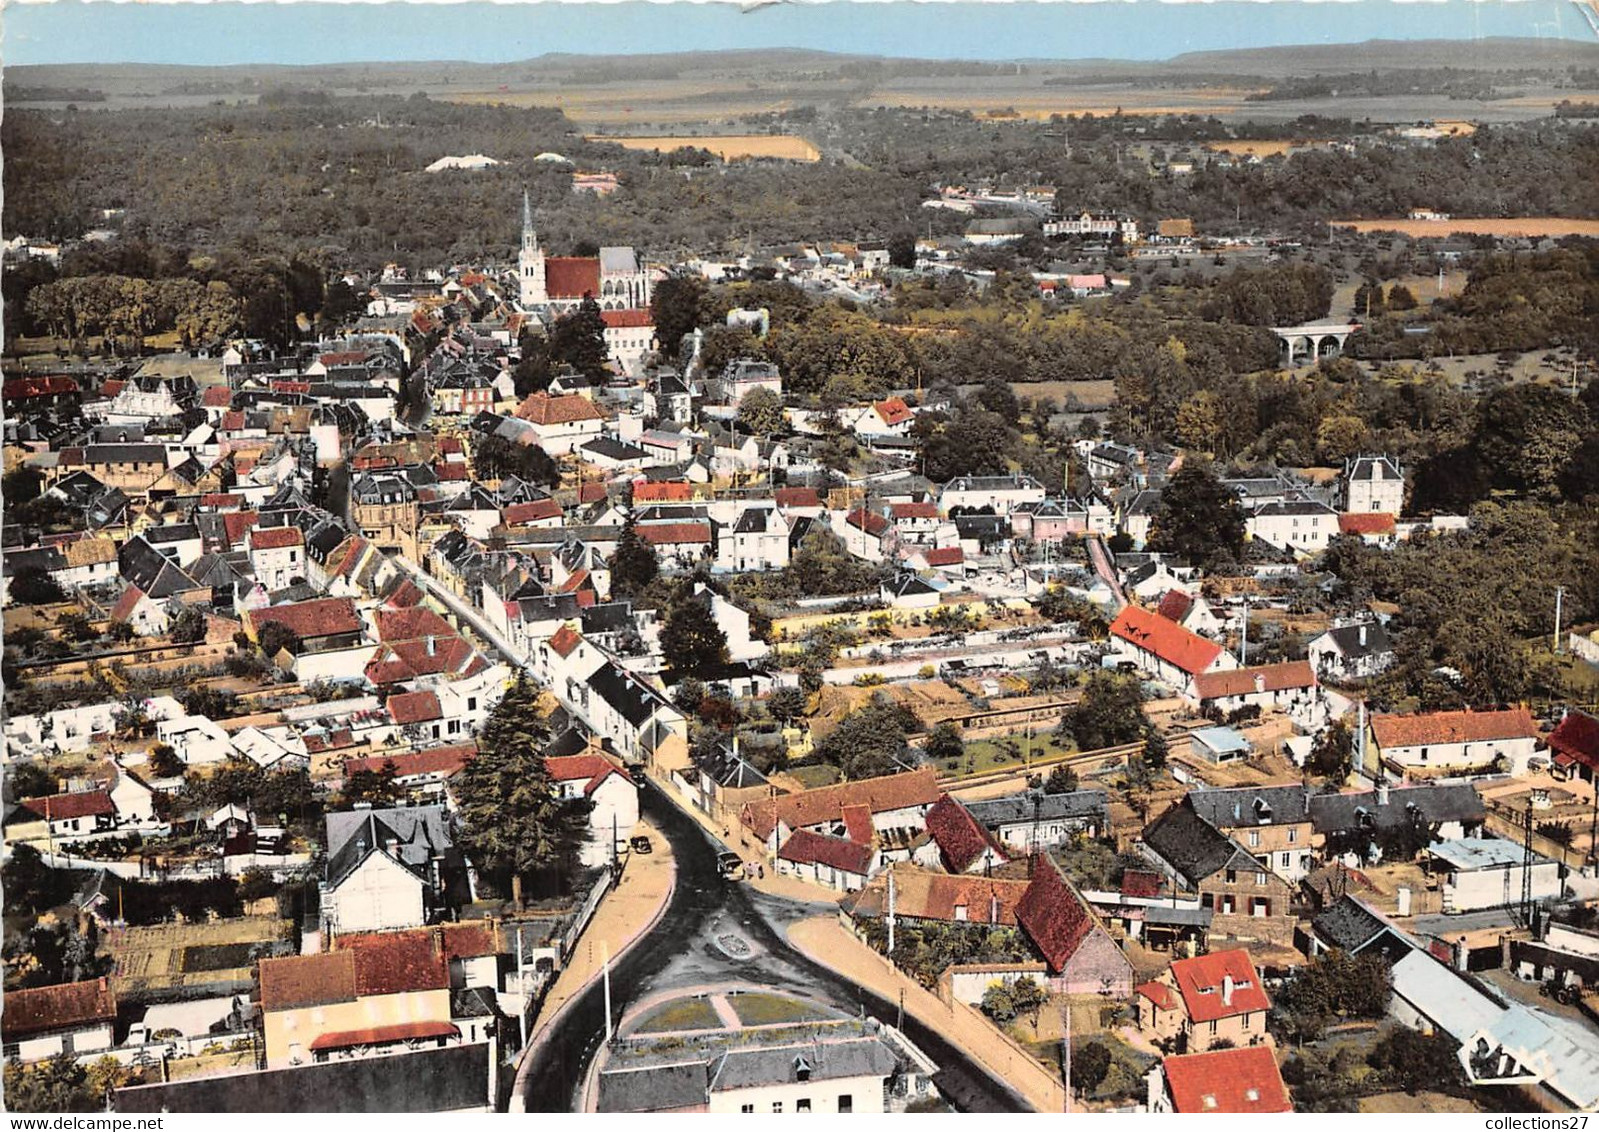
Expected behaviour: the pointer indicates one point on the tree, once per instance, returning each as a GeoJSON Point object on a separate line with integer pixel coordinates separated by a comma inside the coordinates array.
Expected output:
{"type": "Point", "coordinates": [1335, 985]}
{"type": "Point", "coordinates": [275, 637]}
{"type": "Point", "coordinates": [1090, 1065]}
{"type": "Point", "coordinates": [634, 563]}
{"type": "Point", "coordinates": [1062, 780]}
{"type": "Point", "coordinates": [578, 340]}
{"type": "Point", "coordinates": [494, 458]}
{"type": "Point", "coordinates": [870, 741]}
{"type": "Point", "coordinates": [1110, 712]}
{"type": "Point", "coordinates": [1155, 749]}
{"type": "Point", "coordinates": [787, 703]}
{"type": "Point", "coordinates": [31, 885]}
{"type": "Point", "coordinates": [902, 249]}
{"type": "Point", "coordinates": [1416, 1062]}
{"type": "Point", "coordinates": [998, 1004]}
{"type": "Point", "coordinates": [188, 626]}
{"type": "Point", "coordinates": [679, 304]}
{"type": "Point", "coordinates": [376, 788]}
{"type": "Point", "coordinates": [691, 640]}
{"type": "Point", "coordinates": [1199, 421]}
{"type": "Point", "coordinates": [164, 761]}
{"type": "Point", "coordinates": [33, 585]}
{"type": "Point", "coordinates": [1332, 755]}
{"type": "Point", "coordinates": [513, 823]}
{"type": "Point", "coordinates": [57, 1085]}
{"type": "Point", "coordinates": [760, 411]}
{"type": "Point", "coordinates": [534, 369]}
{"type": "Point", "coordinates": [1526, 433]}
{"type": "Point", "coordinates": [1198, 519]}
{"type": "Point", "coordinates": [944, 744]}
{"type": "Point", "coordinates": [1401, 298]}
{"type": "Point", "coordinates": [1028, 997]}
{"type": "Point", "coordinates": [822, 566]}
{"type": "Point", "coordinates": [689, 695]}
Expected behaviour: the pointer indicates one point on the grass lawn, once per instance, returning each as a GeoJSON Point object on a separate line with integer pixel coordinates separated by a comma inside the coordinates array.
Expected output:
{"type": "Point", "coordinates": [759, 1009]}
{"type": "Point", "coordinates": [984, 755]}
{"type": "Point", "coordinates": [815, 776]}
{"type": "Point", "coordinates": [681, 1014]}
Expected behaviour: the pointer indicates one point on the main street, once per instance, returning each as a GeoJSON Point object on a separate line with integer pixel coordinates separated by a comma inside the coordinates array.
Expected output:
{"type": "Point", "coordinates": [723, 931]}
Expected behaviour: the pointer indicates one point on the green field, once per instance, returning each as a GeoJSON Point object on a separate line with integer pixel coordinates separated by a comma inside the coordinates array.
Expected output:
{"type": "Point", "coordinates": [983, 755]}
{"type": "Point", "coordinates": [760, 1009]}
{"type": "Point", "coordinates": [681, 1014]}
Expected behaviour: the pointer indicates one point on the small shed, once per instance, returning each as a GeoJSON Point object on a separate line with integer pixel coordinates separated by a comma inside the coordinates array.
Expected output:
{"type": "Point", "coordinates": [1220, 745]}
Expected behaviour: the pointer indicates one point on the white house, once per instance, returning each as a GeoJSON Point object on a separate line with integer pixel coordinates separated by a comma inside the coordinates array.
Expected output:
{"type": "Point", "coordinates": [385, 868]}
{"type": "Point", "coordinates": [1164, 649]}
{"type": "Point", "coordinates": [561, 423]}
{"type": "Point", "coordinates": [1432, 744]}
{"type": "Point", "coordinates": [69, 1018]}
{"type": "Point", "coordinates": [195, 739]}
{"type": "Point", "coordinates": [1487, 872]}
{"type": "Point", "coordinates": [615, 798]}
{"type": "Point", "coordinates": [756, 540]}
{"type": "Point", "coordinates": [1373, 484]}
{"type": "Point", "coordinates": [998, 493]}
{"type": "Point", "coordinates": [1299, 525]}
{"type": "Point", "coordinates": [1351, 652]}
{"type": "Point", "coordinates": [277, 555]}
{"type": "Point", "coordinates": [821, 1077]}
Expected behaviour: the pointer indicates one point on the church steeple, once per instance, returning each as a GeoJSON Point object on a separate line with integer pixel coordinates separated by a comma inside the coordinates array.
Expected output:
{"type": "Point", "coordinates": [530, 238]}
{"type": "Point", "coordinates": [530, 261]}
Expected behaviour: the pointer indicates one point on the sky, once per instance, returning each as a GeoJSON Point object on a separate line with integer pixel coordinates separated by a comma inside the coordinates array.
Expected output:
{"type": "Point", "coordinates": [68, 31]}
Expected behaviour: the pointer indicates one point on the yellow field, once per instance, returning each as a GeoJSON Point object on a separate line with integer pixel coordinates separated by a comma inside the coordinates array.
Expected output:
{"type": "Point", "coordinates": [1529, 226]}
{"type": "Point", "coordinates": [788, 147]}
{"type": "Point", "coordinates": [1258, 148]}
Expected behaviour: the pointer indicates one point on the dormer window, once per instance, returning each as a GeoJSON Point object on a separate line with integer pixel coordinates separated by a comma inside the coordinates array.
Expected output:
{"type": "Point", "coordinates": [802, 1069]}
{"type": "Point", "coordinates": [1208, 1101]}
{"type": "Point", "coordinates": [1251, 1094]}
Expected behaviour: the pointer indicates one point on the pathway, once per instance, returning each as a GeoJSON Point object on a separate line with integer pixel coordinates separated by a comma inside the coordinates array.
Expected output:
{"type": "Point", "coordinates": [1099, 555]}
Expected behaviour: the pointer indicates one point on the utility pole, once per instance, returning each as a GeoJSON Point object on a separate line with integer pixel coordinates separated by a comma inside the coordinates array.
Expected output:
{"type": "Point", "coordinates": [1243, 638]}
{"type": "Point", "coordinates": [891, 919]}
{"type": "Point", "coordinates": [1560, 593]}
{"type": "Point", "coordinates": [1066, 1050]}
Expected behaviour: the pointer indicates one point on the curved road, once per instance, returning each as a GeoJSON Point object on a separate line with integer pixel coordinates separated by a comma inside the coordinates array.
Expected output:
{"type": "Point", "coordinates": [682, 951]}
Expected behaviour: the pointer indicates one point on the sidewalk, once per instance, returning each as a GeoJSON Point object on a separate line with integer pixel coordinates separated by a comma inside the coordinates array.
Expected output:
{"type": "Point", "coordinates": [625, 915]}
{"type": "Point", "coordinates": [824, 940]}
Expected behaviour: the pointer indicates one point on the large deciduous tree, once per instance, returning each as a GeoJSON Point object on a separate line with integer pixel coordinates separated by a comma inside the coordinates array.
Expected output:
{"type": "Point", "coordinates": [679, 304]}
{"type": "Point", "coordinates": [691, 640]}
{"type": "Point", "coordinates": [1198, 519]}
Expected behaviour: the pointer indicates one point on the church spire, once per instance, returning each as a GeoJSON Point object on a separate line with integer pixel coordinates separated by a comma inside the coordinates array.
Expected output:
{"type": "Point", "coordinates": [529, 237]}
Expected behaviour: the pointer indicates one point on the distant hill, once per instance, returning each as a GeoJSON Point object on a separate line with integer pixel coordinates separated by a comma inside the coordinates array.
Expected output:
{"type": "Point", "coordinates": [1493, 54]}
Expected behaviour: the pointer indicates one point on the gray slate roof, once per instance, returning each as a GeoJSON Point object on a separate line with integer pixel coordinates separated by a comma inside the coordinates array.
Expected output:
{"type": "Point", "coordinates": [1192, 846]}
{"type": "Point", "coordinates": [751, 1068]}
{"type": "Point", "coordinates": [653, 1088]}
{"type": "Point", "coordinates": [1257, 805]}
{"type": "Point", "coordinates": [1330, 813]}
{"type": "Point", "coordinates": [1018, 808]}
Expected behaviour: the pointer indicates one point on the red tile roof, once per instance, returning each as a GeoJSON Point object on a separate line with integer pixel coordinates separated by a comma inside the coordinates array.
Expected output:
{"type": "Point", "coordinates": [64, 807]}
{"type": "Point", "coordinates": [797, 497]}
{"type": "Point", "coordinates": [893, 411]}
{"type": "Point", "coordinates": [1159, 993]}
{"type": "Point", "coordinates": [674, 534]}
{"type": "Point", "coordinates": [945, 556]}
{"type": "Point", "coordinates": [307, 980]}
{"type": "Point", "coordinates": [935, 896]}
{"type": "Point", "coordinates": [217, 397]}
{"type": "Point", "coordinates": [320, 617]}
{"type": "Point", "coordinates": [276, 538]}
{"type": "Point", "coordinates": [804, 848]}
{"type": "Point", "coordinates": [1165, 639]}
{"type": "Point", "coordinates": [590, 491]}
{"type": "Point", "coordinates": [1376, 523]}
{"type": "Point", "coordinates": [236, 523]}
{"type": "Point", "coordinates": [435, 760]}
{"type": "Point", "coordinates": [961, 839]}
{"type": "Point", "coordinates": [127, 602]}
{"type": "Point", "coordinates": [1053, 915]}
{"type": "Point", "coordinates": [565, 641]}
{"type": "Point", "coordinates": [221, 501]}
{"type": "Point", "coordinates": [537, 511]}
{"type": "Point", "coordinates": [1227, 1080]}
{"type": "Point", "coordinates": [396, 962]}
{"type": "Point", "coordinates": [542, 409]}
{"type": "Point", "coordinates": [1201, 983]}
{"type": "Point", "coordinates": [1247, 681]}
{"type": "Point", "coordinates": [670, 492]}
{"type": "Point", "coordinates": [869, 521]}
{"type": "Point", "coordinates": [1174, 605]}
{"type": "Point", "coordinates": [38, 1010]}
{"type": "Point", "coordinates": [591, 770]}
{"type": "Point", "coordinates": [450, 472]}
{"type": "Point", "coordinates": [1439, 727]}
{"type": "Point", "coordinates": [817, 807]}
{"type": "Point", "coordinates": [628, 319]}
{"type": "Point", "coordinates": [571, 277]}
{"type": "Point", "coordinates": [922, 510]}
{"type": "Point", "coordinates": [18, 388]}
{"type": "Point", "coordinates": [858, 824]}
{"type": "Point", "coordinates": [1137, 882]}
{"type": "Point", "coordinates": [415, 707]}
{"type": "Point", "coordinates": [380, 1035]}
{"type": "Point", "coordinates": [1576, 737]}
{"type": "Point", "coordinates": [410, 624]}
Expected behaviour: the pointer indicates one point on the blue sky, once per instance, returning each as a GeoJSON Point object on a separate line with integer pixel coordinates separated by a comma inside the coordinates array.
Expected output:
{"type": "Point", "coordinates": [67, 31]}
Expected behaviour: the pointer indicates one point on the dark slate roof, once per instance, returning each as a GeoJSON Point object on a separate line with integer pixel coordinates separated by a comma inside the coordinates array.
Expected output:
{"type": "Point", "coordinates": [632, 701]}
{"type": "Point", "coordinates": [1192, 846]}
{"type": "Point", "coordinates": [1259, 805]}
{"type": "Point", "coordinates": [1348, 925]}
{"type": "Point", "coordinates": [172, 532]}
{"type": "Point", "coordinates": [727, 770]}
{"type": "Point", "coordinates": [983, 528]}
{"type": "Point", "coordinates": [570, 741]}
{"type": "Point", "coordinates": [1015, 808]}
{"type": "Point", "coordinates": [1443, 802]}
{"type": "Point", "coordinates": [752, 1068]}
{"type": "Point", "coordinates": [653, 1088]}
{"type": "Point", "coordinates": [1347, 638]}
{"type": "Point", "coordinates": [352, 837]}
{"type": "Point", "coordinates": [435, 1080]}
{"type": "Point", "coordinates": [610, 617]}
{"type": "Point", "coordinates": [615, 449]}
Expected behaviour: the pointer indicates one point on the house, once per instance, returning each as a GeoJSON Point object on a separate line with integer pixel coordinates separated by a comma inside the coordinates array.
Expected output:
{"type": "Point", "coordinates": [639, 722]}
{"type": "Point", "coordinates": [1430, 744]}
{"type": "Point", "coordinates": [561, 423]}
{"type": "Point", "coordinates": [1104, 224]}
{"type": "Point", "coordinates": [958, 842]}
{"type": "Point", "coordinates": [1191, 611]}
{"type": "Point", "coordinates": [1199, 1003]}
{"type": "Point", "coordinates": [891, 417]}
{"type": "Point", "coordinates": [614, 795]}
{"type": "Point", "coordinates": [834, 862]}
{"type": "Point", "coordinates": [1035, 820]}
{"type": "Point", "coordinates": [742, 376]}
{"type": "Point", "coordinates": [1244, 1080]}
{"type": "Point", "coordinates": [1082, 957]}
{"type": "Point", "coordinates": [1248, 900]}
{"type": "Point", "coordinates": [388, 868]}
{"type": "Point", "coordinates": [757, 540]}
{"type": "Point", "coordinates": [427, 770]}
{"type": "Point", "coordinates": [1219, 745]}
{"type": "Point", "coordinates": [679, 544]}
{"type": "Point", "coordinates": [390, 995]}
{"type": "Point", "coordinates": [1272, 822]}
{"type": "Point", "coordinates": [1301, 525]}
{"type": "Point", "coordinates": [1351, 652]}
{"type": "Point", "coordinates": [1000, 495]}
{"type": "Point", "coordinates": [74, 816]}
{"type": "Point", "coordinates": [629, 337]}
{"type": "Point", "coordinates": [865, 534]}
{"type": "Point", "coordinates": [1289, 687]}
{"type": "Point", "coordinates": [896, 803]}
{"type": "Point", "coordinates": [1373, 529]}
{"type": "Point", "coordinates": [1345, 821]}
{"type": "Point", "coordinates": [277, 555]}
{"type": "Point", "coordinates": [1574, 745]}
{"type": "Point", "coordinates": [1486, 872]}
{"type": "Point", "coordinates": [939, 897]}
{"type": "Point", "coordinates": [69, 1018]}
{"type": "Point", "coordinates": [1373, 485]}
{"type": "Point", "coordinates": [1164, 649]}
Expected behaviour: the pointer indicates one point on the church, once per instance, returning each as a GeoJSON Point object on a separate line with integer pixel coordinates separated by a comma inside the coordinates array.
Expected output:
{"type": "Point", "coordinates": [553, 285]}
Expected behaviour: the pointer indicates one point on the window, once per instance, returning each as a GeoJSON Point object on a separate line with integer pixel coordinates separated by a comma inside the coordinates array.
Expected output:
{"type": "Point", "coordinates": [846, 1102]}
{"type": "Point", "coordinates": [1260, 880]}
{"type": "Point", "coordinates": [1213, 1029]}
{"type": "Point", "coordinates": [803, 1105]}
{"type": "Point", "coordinates": [1287, 860]}
{"type": "Point", "coordinates": [777, 1106]}
{"type": "Point", "coordinates": [1232, 876]}
{"type": "Point", "coordinates": [1293, 836]}
{"type": "Point", "coordinates": [746, 1108]}
{"type": "Point", "coordinates": [1247, 1018]}
{"type": "Point", "coordinates": [1254, 838]}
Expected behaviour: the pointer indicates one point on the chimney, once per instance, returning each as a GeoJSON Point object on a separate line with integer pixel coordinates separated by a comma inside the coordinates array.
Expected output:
{"type": "Point", "coordinates": [392, 846]}
{"type": "Point", "coordinates": [1260, 683]}
{"type": "Point", "coordinates": [433, 645]}
{"type": "Point", "coordinates": [1363, 636]}
{"type": "Point", "coordinates": [1382, 792]}
{"type": "Point", "coordinates": [1226, 990]}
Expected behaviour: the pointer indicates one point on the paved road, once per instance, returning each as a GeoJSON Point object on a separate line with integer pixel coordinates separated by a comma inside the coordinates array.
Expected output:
{"type": "Point", "coordinates": [683, 951]}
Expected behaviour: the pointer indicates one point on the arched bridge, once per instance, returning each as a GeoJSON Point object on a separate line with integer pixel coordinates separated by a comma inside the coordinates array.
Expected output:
{"type": "Point", "coordinates": [1313, 343]}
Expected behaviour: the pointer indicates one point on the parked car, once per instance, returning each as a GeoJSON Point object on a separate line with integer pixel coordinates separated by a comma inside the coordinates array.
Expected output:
{"type": "Point", "coordinates": [731, 865]}
{"type": "Point", "coordinates": [641, 845]}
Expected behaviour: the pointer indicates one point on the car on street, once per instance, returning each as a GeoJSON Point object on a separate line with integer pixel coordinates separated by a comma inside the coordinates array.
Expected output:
{"type": "Point", "coordinates": [731, 865]}
{"type": "Point", "coordinates": [642, 846]}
